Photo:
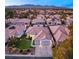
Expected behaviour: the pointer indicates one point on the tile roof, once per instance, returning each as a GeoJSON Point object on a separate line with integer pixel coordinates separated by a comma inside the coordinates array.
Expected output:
{"type": "Point", "coordinates": [59, 32]}
{"type": "Point", "coordinates": [14, 32]}
{"type": "Point", "coordinates": [37, 20]}
{"type": "Point", "coordinates": [39, 32]}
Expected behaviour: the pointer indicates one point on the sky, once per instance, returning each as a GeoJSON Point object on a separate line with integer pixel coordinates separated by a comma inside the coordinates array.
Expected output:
{"type": "Point", "coordinates": [60, 3]}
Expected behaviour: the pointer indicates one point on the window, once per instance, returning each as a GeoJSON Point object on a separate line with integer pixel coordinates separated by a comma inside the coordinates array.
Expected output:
{"type": "Point", "coordinates": [45, 42]}
{"type": "Point", "coordinates": [37, 42]}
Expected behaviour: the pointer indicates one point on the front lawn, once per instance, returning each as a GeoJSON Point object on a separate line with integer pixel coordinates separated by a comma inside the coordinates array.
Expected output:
{"type": "Point", "coordinates": [23, 43]}
{"type": "Point", "coordinates": [20, 43]}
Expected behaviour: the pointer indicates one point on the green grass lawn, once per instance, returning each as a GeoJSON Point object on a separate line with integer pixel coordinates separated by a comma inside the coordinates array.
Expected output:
{"type": "Point", "coordinates": [23, 43]}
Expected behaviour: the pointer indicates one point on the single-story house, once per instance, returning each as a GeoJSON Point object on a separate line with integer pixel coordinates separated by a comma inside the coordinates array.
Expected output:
{"type": "Point", "coordinates": [60, 32]}
{"type": "Point", "coordinates": [14, 31]}
{"type": "Point", "coordinates": [38, 34]}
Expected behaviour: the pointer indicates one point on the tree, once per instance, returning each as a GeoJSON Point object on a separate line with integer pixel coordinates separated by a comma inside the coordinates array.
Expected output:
{"type": "Point", "coordinates": [65, 49]}
{"type": "Point", "coordinates": [63, 15]}
{"type": "Point", "coordinates": [9, 13]}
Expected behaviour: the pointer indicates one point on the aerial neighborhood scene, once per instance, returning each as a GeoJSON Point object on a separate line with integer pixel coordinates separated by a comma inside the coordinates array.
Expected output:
{"type": "Point", "coordinates": [33, 29]}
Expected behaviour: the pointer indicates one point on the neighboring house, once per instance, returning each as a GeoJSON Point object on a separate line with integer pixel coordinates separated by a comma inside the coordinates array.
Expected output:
{"type": "Point", "coordinates": [69, 21]}
{"type": "Point", "coordinates": [52, 22]}
{"type": "Point", "coordinates": [22, 22]}
{"type": "Point", "coordinates": [38, 22]}
{"type": "Point", "coordinates": [57, 16]}
{"type": "Point", "coordinates": [18, 21]}
{"type": "Point", "coordinates": [40, 16]}
{"type": "Point", "coordinates": [60, 32]}
{"type": "Point", "coordinates": [34, 21]}
{"type": "Point", "coordinates": [14, 31]}
{"type": "Point", "coordinates": [11, 20]}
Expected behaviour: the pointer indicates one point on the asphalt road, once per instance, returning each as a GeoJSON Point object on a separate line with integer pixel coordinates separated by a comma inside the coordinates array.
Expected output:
{"type": "Point", "coordinates": [16, 57]}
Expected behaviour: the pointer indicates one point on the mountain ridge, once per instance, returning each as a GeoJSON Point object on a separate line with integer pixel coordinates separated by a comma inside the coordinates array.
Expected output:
{"type": "Point", "coordinates": [35, 6]}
